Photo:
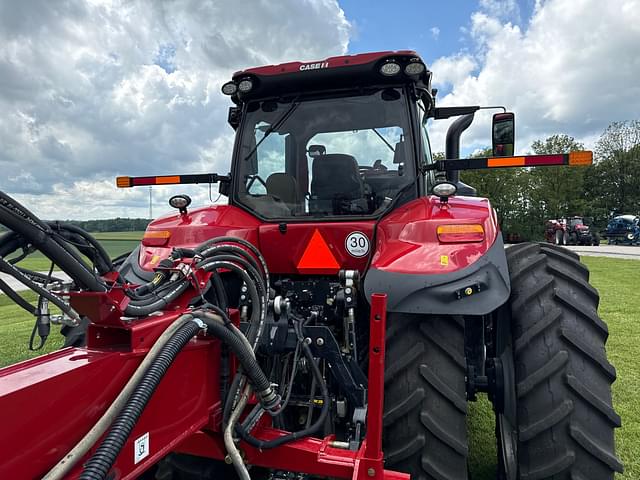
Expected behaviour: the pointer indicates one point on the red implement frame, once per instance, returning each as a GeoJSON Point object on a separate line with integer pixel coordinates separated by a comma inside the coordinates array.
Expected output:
{"type": "Point", "coordinates": [47, 404]}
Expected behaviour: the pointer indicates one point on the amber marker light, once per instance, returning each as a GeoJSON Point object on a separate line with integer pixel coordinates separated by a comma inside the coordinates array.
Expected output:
{"type": "Point", "coordinates": [455, 233]}
{"type": "Point", "coordinates": [156, 238]}
{"type": "Point", "coordinates": [580, 158]}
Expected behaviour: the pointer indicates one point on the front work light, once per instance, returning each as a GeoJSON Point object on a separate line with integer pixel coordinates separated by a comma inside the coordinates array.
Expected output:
{"type": "Point", "coordinates": [229, 88]}
{"type": "Point", "coordinates": [390, 69]}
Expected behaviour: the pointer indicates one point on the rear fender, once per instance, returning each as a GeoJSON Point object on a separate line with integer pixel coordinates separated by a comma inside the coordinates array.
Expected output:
{"type": "Point", "coordinates": [422, 275]}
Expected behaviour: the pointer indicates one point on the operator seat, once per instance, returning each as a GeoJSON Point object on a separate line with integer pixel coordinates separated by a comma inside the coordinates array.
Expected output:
{"type": "Point", "coordinates": [336, 185]}
{"type": "Point", "coordinates": [283, 187]}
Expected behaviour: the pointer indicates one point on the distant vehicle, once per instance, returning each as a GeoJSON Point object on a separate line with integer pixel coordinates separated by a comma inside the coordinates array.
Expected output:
{"type": "Point", "coordinates": [623, 229]}
{"type": "Point", "coordinates": [572, 231]}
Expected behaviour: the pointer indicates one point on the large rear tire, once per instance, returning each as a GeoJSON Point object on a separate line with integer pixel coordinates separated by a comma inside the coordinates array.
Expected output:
{"type": "Point", "coordinates": [425, 405]}
{"type": "Point", "coordinates": [565, 417]}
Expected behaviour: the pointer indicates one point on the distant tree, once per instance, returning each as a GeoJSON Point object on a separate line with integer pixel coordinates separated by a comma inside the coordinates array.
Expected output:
{"type": "Point", "coordinates": [614, 181]}
{"type": "Point", "coordinates": [558, 191]}
{"type": "Point", "coordinates": [506, 189]}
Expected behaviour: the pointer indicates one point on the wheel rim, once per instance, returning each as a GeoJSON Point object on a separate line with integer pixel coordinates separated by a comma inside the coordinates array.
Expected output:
{"type": "Point", "coordinates": [506, 420]}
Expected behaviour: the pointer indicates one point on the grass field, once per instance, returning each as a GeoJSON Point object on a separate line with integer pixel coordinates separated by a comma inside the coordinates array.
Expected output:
{"type": "Point", "coordinates": [618, 282]}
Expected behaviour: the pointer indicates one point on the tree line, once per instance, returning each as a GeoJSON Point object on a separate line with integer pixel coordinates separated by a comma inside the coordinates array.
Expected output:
{"type": "Point", "coordinates": [108, 225]}
{"type": "Point", "coordinates": [525, 198]}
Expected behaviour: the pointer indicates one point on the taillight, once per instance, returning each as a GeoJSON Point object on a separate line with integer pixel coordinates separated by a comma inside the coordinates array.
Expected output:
{"type": "Point", "coordinates": [454, 233]}
{"type": "Point", "coordinates": [156, 238]}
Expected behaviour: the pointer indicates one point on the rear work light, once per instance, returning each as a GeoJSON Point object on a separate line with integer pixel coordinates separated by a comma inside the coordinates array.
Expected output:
{"type": "Point", "coordinates": [245, 85]}
{"type": "Point", "coordinates": [229, 88]}
{"type": "Point", "coordinates": [156, 238]}
{"type": "Point", "coordinates": [390, 69]}
{"type": "Point", "coordinates": [454, 233]}
{"type": "Point", "coordinates": [415, 67]}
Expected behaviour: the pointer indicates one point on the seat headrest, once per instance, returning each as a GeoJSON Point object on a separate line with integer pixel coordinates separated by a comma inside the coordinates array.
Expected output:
{"type": "Point", "coordinates": [283, 186]}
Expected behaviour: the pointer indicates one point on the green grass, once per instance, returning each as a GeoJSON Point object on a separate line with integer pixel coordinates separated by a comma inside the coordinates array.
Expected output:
{"type": "Point", "coordinates": [618, 282]}
{"type": "Point", "coordinates": [15, 329]}
{"type": "Point", "coordinates": [616, 279]}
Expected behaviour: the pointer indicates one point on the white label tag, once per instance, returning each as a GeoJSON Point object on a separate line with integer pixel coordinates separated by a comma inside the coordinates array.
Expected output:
{"type": "Point", "coordinates": [357, 244]}
{"type": "Point", "coordinates": [141, 448]}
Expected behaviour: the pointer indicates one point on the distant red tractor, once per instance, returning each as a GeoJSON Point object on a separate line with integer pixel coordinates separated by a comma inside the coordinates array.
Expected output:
{"type": "Point", "coordinates": [570, 231]}
{"type": "Point", "coordinates": [332, 319]}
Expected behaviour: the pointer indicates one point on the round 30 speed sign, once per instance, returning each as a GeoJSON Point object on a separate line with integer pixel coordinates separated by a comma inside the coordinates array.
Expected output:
{"type": "Point", "coordinates": [357, 244]}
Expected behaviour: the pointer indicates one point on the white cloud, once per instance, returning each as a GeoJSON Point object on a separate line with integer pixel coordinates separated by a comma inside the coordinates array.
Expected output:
{"type": "Point", "coordinates": [90, 90]}
{"type": "Point", "coordinates": [435, 32]}
{"type": "Point", "coordinates": [573, 69]}
{"type": "Point", "coordinates": [502, 9]}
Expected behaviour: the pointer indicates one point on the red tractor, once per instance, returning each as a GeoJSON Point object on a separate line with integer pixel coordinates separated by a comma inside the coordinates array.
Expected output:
{"type": "Point", "coordinates": [332, 320]}
{"type": "Point", "coordinates": [570, 231]}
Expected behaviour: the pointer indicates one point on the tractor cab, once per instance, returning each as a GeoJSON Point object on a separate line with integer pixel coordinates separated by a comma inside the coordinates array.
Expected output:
{"type": "Point", "coordinates": [338, 138]}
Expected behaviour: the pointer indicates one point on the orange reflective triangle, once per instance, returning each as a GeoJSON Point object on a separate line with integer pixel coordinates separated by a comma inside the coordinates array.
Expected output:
{"type": "Point", "coordinates": [317, 255]}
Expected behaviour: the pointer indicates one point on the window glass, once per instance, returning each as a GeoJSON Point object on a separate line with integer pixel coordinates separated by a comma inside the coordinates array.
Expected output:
{"type": "Point", "coordinates": [325, 157]}
{"type": "Point", "coordinates": [270, 158]}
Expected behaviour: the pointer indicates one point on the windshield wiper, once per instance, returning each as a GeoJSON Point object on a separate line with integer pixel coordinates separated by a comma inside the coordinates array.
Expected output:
{"type": "Point", "coordinates": [384, 140]}
{"type": "Point", "coordinates": [274, 126]}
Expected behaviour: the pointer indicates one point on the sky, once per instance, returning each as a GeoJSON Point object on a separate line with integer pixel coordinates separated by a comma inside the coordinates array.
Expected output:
{"type": "Point", "coordinates": [94, 89]}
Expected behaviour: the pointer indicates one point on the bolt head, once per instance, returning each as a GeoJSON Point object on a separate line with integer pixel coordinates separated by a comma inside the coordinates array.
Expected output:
{"type": "Point", "coordinates": [320, 341]}
{"type": "Point", "coordinates": [371, 472]}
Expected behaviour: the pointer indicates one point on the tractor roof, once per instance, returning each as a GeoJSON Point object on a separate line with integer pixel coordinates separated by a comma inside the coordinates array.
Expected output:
{"type": "Point", "coordinates": [333, 73]}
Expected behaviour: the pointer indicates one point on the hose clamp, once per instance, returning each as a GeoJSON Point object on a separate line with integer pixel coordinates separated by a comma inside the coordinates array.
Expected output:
{"type": "Point", "coordinates": [200, 323]}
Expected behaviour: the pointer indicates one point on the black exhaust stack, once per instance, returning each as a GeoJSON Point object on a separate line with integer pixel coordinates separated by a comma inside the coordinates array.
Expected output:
{"type": "Point", "coordinates": [452, 151]}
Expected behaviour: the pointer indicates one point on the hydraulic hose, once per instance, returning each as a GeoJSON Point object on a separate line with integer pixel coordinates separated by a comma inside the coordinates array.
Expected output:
{"type": "Point", "coordinates": [82, 447]}
{"type": "Point", "coordinates": [269, 399]}
{"type": "Point", "coordinates": [101, 253]}
{"type": "Point", "coordinates": [22, 278]}
{"type": "Point", "coordinates": [13, 205]}
{"type": "Point", "coordinates": [241, 241]}
{"type": "Point", "coordinates": [9, 243]}
{"type": "Point", "coordinates": [103, 459]}
{"type": "Point", "coordinates": [13, 295]}
{"type": "Point", "coordinates": [145, 307]}
{"type": "Point", "coordinates": [252, 290]}
{"type": "Point", "coordinates": [40, 236]}
{"type": "Point", "coordinates": [232, 450]}
{"type": "Point", "coordinates": [317, 425]}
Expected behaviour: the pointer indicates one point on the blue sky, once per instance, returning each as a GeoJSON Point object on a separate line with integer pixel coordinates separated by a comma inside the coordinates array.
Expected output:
{"type": "Point", "coordinates": [409, 24]}
{"type": "Point", "coordinates": [92, 89]}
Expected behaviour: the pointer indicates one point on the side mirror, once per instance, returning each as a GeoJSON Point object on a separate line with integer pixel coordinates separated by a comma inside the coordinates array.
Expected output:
{"type": "Point", "coordinates": [503, 134]}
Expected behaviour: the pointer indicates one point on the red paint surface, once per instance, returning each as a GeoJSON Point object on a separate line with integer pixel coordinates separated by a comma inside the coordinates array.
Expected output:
{"type": "Point", "coordinates": [375, 393]}
{"type": "Point", "coordinates": [50, 402]}
{"type": "Point", "coordinates": [407, 240]}
{"type": "Point", "coordinates": [332, 62]}
{"type": "Point", "coordinates": [283, 251]}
